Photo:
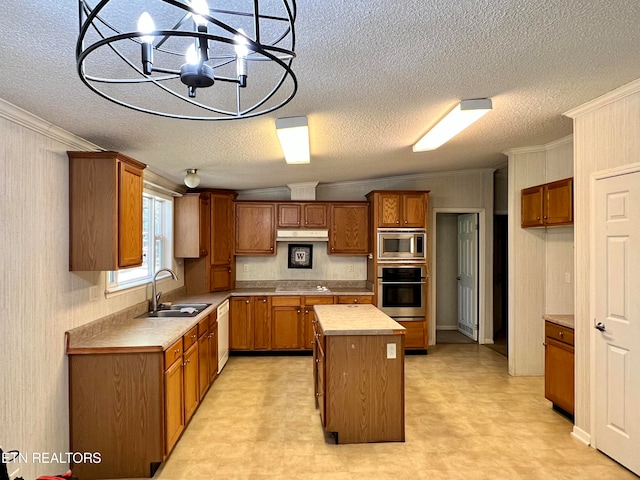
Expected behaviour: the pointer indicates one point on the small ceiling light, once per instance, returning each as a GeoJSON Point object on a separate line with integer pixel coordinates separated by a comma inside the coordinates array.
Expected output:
{"type": "Point", "coordinates": [191, 179]}
{"type": "Point", "coordinates": [293, 133]}
{"type": "Point", "coordinates": [463, 115]}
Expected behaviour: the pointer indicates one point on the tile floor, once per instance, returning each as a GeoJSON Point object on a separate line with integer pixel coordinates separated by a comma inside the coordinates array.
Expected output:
{"type": "Point", "coordinates": [466, 418]}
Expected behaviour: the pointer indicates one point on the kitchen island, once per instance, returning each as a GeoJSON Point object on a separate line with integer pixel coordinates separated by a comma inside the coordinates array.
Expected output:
{"type": "Point", "coordinates": [359, 373]}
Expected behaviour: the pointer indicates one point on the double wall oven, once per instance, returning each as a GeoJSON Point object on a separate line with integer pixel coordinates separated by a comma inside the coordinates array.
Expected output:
{"type": "Point", "coordinates": [402, 273]}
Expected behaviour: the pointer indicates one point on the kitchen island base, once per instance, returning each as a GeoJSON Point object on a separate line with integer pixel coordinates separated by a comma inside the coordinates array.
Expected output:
{"type": "Point", "coordinates": [359, 377]}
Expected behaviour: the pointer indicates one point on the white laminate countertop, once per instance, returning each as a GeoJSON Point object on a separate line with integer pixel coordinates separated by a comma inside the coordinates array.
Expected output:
{"type": "Point", "coordinates": [562, 320]}
{"type": "Point", "coordinates": [355, 320]}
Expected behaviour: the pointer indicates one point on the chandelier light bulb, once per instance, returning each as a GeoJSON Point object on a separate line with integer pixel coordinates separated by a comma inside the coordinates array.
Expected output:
{"type": "Point", "coordinates": [201, 8]}
{"type": "Point", "coordinates": [241, 44]}
{"type": "Point", "coordinates": [146, 25]}
{"type": "Point", "coordinates": [191, 179]}
{"type": "Point", "coordinates": [192, 55]}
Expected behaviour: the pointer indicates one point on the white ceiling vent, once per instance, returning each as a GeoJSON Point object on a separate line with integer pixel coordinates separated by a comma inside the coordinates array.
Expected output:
{"type": "Point", "coordinates": [303, 191]}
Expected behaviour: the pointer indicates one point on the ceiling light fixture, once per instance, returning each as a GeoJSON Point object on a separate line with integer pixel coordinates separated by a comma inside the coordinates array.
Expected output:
{"type": "Point", "coordinates": [463, 115]}
{"type": "Point", "coordinates": [159, 68]}
{"type": "Point", "coordinates": [293, 133]}
{"type": "Point", "coordinates": [191, 179]}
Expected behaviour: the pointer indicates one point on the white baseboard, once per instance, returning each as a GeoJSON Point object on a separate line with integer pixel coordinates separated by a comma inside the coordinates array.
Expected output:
{"type": "Point", "coordinates": [446, 327]}
{"type": "Point", "coordinates": [581, 435]}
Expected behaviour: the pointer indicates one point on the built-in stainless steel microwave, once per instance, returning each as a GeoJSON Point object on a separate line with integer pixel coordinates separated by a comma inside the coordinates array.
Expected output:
{"type": "Point", "coordinates": [402, 245]}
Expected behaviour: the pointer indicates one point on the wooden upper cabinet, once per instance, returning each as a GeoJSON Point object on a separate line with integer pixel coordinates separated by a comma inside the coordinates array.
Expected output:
{"type": "Point", "coordinates": [302, 215]}
{"type": "Point", "coordinates": [349, 229]}
{"type": "Point", "coordinates": [532, 207]}
{"type": "Point", "coordinates": [192, 225]}
{"type": "Point", "coordinates": [558, 207]}
{"type": "Point", "coordinates": [399, 209]}
{"type": "Point", "coordinates": [105, 211]}
{"type": "Point", "coordinates": [549, 204]}
{"type": "Point", "coordinates": [255, 232]}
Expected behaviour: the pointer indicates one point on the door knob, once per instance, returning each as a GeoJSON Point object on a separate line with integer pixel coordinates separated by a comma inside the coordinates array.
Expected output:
{"type": "Point", "coordinates": [600, 326]}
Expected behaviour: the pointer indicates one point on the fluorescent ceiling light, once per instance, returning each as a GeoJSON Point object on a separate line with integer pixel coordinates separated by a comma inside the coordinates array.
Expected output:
{"type": "Point", "coordinates": [293, 133]}
{"type": "Point", "coordinates": [463, 115]}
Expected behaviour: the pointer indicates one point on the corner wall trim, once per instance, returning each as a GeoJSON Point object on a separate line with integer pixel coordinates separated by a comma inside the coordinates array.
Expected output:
{"type": "Point", "coordinates": [581, 435]}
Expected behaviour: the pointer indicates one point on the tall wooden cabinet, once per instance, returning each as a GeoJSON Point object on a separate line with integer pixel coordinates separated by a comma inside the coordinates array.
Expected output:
{"type": "Point", "coordinates": [105, 211]}
{"type": "Point", "coordinates": [208, 220]}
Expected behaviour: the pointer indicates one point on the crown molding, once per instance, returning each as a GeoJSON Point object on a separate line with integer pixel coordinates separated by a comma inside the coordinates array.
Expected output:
{"type": "Point", "coordinates": [29, 120]}
{"type": "Point", "coordinates": [621, 92]}
{"type": "Point", "coordinates": [540, 148]}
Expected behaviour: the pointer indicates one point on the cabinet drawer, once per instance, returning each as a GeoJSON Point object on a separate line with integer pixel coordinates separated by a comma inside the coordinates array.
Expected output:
{"type": "Point", "coordinates": [319, 300]}
{"type": "Point", "coordinates": [286, 301]}
{"type": "Point", "coordinates": [558, 332]}
{"type": "Point", "coordinates": [190, 338]}
{"type": "Point", "coordinates": [173, 353]}
{"type": "Point", "coordinates": [355, 299]}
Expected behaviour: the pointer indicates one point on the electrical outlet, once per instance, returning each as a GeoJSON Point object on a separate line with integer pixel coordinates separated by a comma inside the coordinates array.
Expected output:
{"type": "Point", "coordinates": [93, 293]}
{"type": "Point", "coordinates": [351, 267]}
{"type": "Point", "coordinates": [245, 268]}
{"type": "Point", "coordinates": [391, 350]}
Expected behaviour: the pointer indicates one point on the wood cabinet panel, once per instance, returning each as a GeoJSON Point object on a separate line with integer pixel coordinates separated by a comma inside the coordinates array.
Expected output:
{"type": "Point", "coordinates": [98, 383]}
{"type": "Point", "coordinates": [315, 215]}
{"type": "Point", "coordinates": [354, 299]}
{"type": "Point", "coordinates": [309, 316]}
{"type": "Point", "coordinates": [240, 324]}
{"type": "Point", "coordinates": [191, 387]}
{"type": "Point", "coordinates": [255, 232]}
{"type": "Point", "coordinates": [192, 225]}
{"type": "Point", "coordinates": [558, 207]}
{"type": "Point", "coordinates": [415, 335]}
{"type": "Point", "coordinates": [289, 215]}
{"type": "Point", "coordinates": [413, 209]}
{"type": "Point", "coordinates": [105, 211]}
{"type": "Point", "coordinates": [389, 209]}
{"type": "Point", "coordinates": [204, 353]}
{"type": "Point", "coordinates": [349, 230]}
{"type": "Point", "coordinates": [399, 209]}
{"type": "Point", "coordinates": [173, 405]}
{"type": "Point", "coordinates": [221, 278]}
{"type": "Point", "coordinates": [559, 380]}
{"type": "Point", "coordinates": [261, 323]}
{"type": "Point", "coordinates": [532, 199]}
{"type": "Point", "coordinates": [286, 328]}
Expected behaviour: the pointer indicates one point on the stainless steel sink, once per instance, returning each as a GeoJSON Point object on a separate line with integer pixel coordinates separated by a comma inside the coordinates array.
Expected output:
{"type": "Point", "coordinates": [176, 311]}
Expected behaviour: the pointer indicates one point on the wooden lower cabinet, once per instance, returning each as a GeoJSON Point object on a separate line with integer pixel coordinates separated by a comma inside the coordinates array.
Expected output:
{"type": "Point", "coordinates": [309, 333]}
{"type": "Point", "coordinates": [241, 323]}
{"type": "Point", "coordinates": [286, 323]}
{"type": "Point", "coordinates": [415, 335]}
{"type": "Point", "coordinates": [370, 406]}
{"type": "Point", "coordinates": [261, 323]}
{"type": "Point", "coordinates": [559, 366]}
{"type": "Point", "coordinates": [143, 402]}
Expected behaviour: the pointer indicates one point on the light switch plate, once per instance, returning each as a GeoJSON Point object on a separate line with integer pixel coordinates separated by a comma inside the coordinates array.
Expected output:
{"type": "Point", "coordinates": [391, 350]}
{"type": "Point", "coordinates": [93, 293]}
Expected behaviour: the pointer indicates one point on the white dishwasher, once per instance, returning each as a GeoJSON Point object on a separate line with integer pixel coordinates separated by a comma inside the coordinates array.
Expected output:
{"type": "Point", "coordinates": [223, 334]}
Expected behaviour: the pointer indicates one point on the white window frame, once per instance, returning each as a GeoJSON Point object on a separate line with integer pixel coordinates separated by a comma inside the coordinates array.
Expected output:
{"type": "Point", "coordinates": [120, 280]}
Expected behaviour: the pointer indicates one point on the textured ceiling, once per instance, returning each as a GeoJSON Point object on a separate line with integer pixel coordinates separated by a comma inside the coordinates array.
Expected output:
{"type": "Point", "coordinates": [373, 76]}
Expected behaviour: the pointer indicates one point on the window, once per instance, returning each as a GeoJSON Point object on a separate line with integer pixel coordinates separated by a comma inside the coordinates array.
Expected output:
{"type": "Point", "coordinates": [157, 227]}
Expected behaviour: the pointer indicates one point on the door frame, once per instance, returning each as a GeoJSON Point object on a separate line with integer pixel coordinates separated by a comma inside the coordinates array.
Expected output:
{"type": "Point", "coordinates": [590, 438]}
{"type": "Point", "coordinates": [482, 239]}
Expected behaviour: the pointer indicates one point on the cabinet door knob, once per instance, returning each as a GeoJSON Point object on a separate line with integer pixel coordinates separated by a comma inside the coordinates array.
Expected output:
{"type": "Point", "coordinates": [298, 310]}
{"type": "Point", "coordinates": [355, 300]}
{"type": "Point", "coordinates": [264, 300]}
{"type": "Point", "coordinates": [194, 336]}
{"type": "Point", "coordinates": [397, 221]}
{"type": "Point", "coordinates": [247, 301]}
{"type": "Point", "coordinates": [271, 249]}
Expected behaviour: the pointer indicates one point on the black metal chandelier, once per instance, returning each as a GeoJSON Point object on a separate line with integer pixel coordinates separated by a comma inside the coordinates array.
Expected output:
{"type": "Point", "coordinates": [161, 56]}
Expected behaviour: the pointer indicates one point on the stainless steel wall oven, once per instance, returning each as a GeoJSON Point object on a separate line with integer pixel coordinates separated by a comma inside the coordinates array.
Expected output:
{"type": "Point", "coordinates": [401, 291]}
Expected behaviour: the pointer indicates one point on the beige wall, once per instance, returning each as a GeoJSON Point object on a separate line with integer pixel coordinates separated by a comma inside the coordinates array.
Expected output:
{"type": "Point", "coordinates": [40, 298]}
{"type": "Point", "coordinates": [539, 259]}
{"type": "Point", "coordinates": [446, 271]}
{"type": "Point", "coordinates": [606, 137]}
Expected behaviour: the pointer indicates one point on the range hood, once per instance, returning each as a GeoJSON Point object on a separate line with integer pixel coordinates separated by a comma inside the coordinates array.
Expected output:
{"type": "Point", "coordinates": [302, 235]}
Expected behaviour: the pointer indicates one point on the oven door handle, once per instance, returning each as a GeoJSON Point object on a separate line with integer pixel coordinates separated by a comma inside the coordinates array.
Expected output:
{"type": "Point", "coordinates": [402, 283]}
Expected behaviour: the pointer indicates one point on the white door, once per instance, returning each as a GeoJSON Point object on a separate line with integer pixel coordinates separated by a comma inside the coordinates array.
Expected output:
{"type": "Point", "coordinates": [468, 275]}
{"type": "Point", "coordinates": [617, 303]}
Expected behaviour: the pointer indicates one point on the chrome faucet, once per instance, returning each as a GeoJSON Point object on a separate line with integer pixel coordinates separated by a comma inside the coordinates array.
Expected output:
{"type": "Point", "coordinates": [155, 297]}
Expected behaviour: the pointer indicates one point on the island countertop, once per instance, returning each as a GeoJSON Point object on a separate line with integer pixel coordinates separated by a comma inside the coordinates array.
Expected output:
{"type": "Point", "coordinates": [355, 320]}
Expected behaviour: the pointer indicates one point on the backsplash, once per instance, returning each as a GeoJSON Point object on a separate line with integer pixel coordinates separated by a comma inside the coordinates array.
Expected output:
{"type": "Point", "coordinates": [324, 266]}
